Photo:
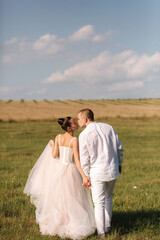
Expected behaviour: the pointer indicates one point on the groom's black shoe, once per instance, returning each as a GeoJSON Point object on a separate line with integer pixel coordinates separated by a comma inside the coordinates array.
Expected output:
{"type": "Point", "coordinates": [108, 230]}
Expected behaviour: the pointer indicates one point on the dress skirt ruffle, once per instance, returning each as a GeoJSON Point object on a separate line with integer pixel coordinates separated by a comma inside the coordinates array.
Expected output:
{"type": "Point", "coordinates": [63, 206]}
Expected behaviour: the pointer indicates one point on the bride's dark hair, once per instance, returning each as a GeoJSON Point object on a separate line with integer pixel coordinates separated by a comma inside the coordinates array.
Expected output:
{"type": "Point", "coordinates": [64, 122]}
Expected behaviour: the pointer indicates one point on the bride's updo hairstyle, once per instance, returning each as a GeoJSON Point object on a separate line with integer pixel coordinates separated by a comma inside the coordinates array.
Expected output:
{"type": "Point", "coordinates": [64, 122]}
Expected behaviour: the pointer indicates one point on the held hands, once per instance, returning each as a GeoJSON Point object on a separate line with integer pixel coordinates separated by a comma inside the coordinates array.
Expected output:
{"type": "Point", "coordinates": [86, 182]}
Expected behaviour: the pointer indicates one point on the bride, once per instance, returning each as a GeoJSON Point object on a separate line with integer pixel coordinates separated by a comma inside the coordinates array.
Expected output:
{"type": "Point", "coordinates": [63, 206]}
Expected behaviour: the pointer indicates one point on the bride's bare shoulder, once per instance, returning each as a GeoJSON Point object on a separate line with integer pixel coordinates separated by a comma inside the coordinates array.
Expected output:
{"type": "Point", "coordinates": [57, 138]}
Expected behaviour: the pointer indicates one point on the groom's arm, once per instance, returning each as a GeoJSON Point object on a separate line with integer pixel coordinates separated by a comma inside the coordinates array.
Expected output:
{"type": "Point", "coordinates": [120, 152]}
{"type": "Point", "coordinates": [84, 155]}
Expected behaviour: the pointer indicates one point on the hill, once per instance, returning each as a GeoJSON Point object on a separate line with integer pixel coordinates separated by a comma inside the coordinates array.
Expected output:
{"type": "Point", "coordinates": [51, 110]}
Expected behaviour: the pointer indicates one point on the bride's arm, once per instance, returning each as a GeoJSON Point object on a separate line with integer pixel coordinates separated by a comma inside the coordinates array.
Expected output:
{"type": "Point", "coordinates": [86, 180]}
{"type": "Point", "coordinates": [55, 150]}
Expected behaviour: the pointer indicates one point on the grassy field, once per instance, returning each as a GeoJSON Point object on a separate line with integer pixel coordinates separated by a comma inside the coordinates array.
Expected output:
{"type": "Point", "coordinates": [136, 211]}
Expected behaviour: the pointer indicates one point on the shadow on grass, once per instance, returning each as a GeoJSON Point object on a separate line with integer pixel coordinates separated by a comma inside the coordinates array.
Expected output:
{"type": "Point", "coordinates": [126, 222]}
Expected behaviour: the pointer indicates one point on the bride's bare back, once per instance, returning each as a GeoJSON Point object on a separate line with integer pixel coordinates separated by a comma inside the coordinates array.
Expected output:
{"type": "Point", "coordinates": [66, 140]}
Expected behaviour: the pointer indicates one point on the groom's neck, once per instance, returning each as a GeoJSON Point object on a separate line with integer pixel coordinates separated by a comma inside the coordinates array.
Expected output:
{"type": "Point", "coordinates": [89, 123]}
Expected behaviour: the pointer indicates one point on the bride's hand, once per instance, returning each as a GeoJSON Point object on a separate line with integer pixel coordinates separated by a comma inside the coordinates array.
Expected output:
{"type": "Point", "coordinates": [51, 142]}
{"type": "Point", "coordinates": [86, 182]}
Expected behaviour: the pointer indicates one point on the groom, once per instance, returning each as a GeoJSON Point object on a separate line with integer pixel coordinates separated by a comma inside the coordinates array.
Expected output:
{"type": "Point", "coordinates": [101, 156]}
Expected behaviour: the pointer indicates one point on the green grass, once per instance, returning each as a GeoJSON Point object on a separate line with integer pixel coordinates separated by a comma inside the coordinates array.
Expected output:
{"type": "Point", "coordinates": [136, 210]}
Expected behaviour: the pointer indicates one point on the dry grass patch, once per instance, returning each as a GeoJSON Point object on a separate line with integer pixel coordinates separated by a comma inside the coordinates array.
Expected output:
{"type": "Point", "coordinates": [49, 110]}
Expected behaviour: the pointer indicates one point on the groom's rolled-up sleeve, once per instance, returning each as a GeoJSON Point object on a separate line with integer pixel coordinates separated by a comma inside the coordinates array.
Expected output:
{"type": "Point", "coordinates": [84, 156]}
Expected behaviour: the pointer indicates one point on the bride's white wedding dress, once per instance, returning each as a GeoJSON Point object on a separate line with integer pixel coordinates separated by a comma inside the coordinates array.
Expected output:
{"type": "Point", "coordinates": [63, 206]}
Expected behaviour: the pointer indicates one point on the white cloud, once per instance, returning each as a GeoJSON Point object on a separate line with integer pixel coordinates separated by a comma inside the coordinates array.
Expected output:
{"type": "Point", "coordinates": [6, 59]}
{"type": "Point", "coordinates": [125, 70]}
{"type": "Point", "coordinates": [11, 41]}
{"type": "Point", "coordinates": [84, 33]}
{"type": "Point", "coordinates": [37, 92]}
{"type": "Point", "coordinates": [102, 37]}
{"type": "Point", "coordinates": [88, 33]}
{"type": "Point", "coordinates": [47, 46]}
{"type": "Point", "coordinates": [16, 50]}
{"type": "Point", "coordinates": [21, 50]}
{"type": "Point", "coordinates": [4, 90]}
{"type": "Point", "coordinates": [10, 92]}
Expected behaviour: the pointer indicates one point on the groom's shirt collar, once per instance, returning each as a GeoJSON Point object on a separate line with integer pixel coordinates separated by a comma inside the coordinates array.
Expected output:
{"type": "Point", "coordinates": [90, 124]}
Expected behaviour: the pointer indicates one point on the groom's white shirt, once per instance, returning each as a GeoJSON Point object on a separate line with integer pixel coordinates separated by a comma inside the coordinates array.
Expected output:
{"type": "Point", "coordinates": [101, 152]}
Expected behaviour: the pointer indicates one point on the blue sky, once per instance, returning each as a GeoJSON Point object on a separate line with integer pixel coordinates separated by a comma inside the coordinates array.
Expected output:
{"type": "Point", "coordinates": [79, 49]}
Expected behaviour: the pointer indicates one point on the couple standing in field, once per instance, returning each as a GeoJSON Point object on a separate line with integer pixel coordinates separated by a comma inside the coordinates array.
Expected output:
{"type": "Point", "coordinates": [63, 203]}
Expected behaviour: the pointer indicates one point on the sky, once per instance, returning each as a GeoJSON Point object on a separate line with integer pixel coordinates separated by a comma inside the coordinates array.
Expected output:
{"type": "Point", "coordinates": [79, 49]}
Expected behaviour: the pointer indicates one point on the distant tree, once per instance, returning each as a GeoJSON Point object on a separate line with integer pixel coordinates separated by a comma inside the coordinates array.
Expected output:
{"type": "Point", "coordinates": [45, 100]}
{"type": "Point", "coordinates": [22, 101]}
{"type": "Point", "coordinates": [35, 101]}
{"type": "Point", "coordinates": [9, 101]}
